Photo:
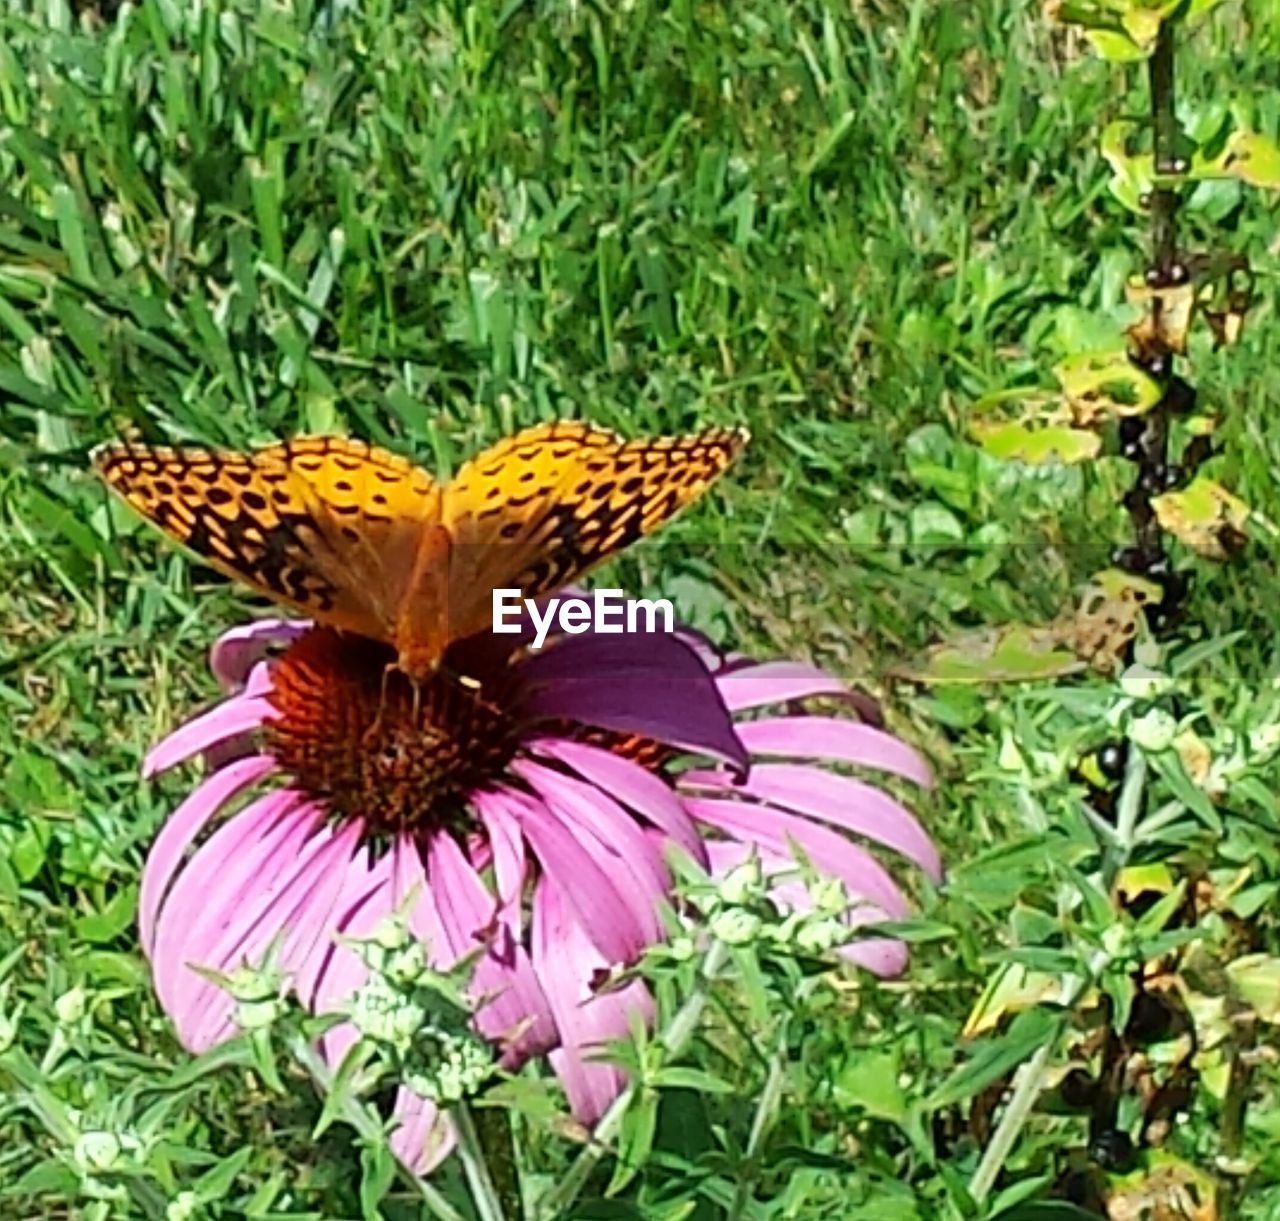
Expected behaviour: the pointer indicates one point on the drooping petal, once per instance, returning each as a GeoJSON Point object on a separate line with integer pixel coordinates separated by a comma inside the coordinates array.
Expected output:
{"type": "Point", "coordinates": [590, 890]}
{"type": "Point", "coordinates": [517, 1016]}
{"type": "Point", "coordinates": [827, 850]}
{"type": "Point", "coordinates": [633, 785]}
{"type": "Point", "coordinates": [236, 652]}
{"type": "Point", "coordinates": [334, 972]}
{"type": "Point", "coordinates": [822, 737]}
{"type": "Point", "coordinates": [424, 1137]}
{"type": "Point", "coordinates": [181, 829]}
{"type": "Point", "coordinates": [238, 715]}
{"type": "Point", "coordinates": [637, 872]}
{"type": "Point", "coordinates": [848, 803]}
{"type": "Point", "coordinates": [259, 840]}
{"type": "Point", "coordinates": [218, 905]}
{"type": "Point", "coordinates": [776, 682]}
{"type": "Point", "coordinates": [287, 919]}
{"type": "Point", "coordinates": [566, 962]}
{"type": "Point", "coordinates": [650, 685]}
{"type": "Point", "coordinates": [367, 899]}
{"type": "Point", "coordinates": [589, 809]}
{"type": "Point", "coordinates": [510, 862]}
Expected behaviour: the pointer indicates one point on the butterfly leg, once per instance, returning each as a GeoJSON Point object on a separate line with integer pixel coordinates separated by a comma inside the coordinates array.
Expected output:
{"type": "Point", "coordinates": [375, 725]}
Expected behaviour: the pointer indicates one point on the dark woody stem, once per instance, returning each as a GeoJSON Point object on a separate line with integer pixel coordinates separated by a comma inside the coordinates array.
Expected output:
{"type": "Point", "coordinates": [1146, 439]}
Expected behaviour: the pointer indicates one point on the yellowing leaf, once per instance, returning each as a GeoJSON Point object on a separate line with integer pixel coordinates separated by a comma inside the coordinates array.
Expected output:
{"type": "Point", "coordinates": [1036, 445]}
{"type": "Point", "coordinates": [1256, 979]}
{"type": "Point", "coordinates": [1011, 654]}
{"type": "Point", "coordinates": [1106, 384]}
{"type": "Point", "coordinates": [1013, 989]}
{"type": "Point", "coordinates": [1132, 175]}
{"type": "Point", "coordinates": [1166, 327]}
{"type": "Point", "coordinates": [1252, 158]}
{"type": "Point", "coordinates": [1205, 516]}
{"type": "Point", "coordinates": [1136, 880]}
{"type": "Point", "coordinates": [1116, 47]}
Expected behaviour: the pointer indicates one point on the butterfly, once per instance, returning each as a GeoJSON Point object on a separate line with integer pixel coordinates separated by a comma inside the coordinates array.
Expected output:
{"type": "Point", "coordinates": [365, 541]}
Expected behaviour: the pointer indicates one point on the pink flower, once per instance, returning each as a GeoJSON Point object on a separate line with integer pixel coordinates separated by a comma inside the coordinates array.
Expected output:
{"type": "Point", "coordinates": [523, 812]}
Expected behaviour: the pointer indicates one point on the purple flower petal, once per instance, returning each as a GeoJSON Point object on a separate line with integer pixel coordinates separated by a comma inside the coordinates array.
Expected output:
{"type": "Point", "coordinates": [234, 716]}
{"type": "Point", "coordinates": [650, 685]}
{"type": "Point", "coordinates": [847, 803]}
{"type": "Point", "coordinates": [327, 976]}
{"type": "Point", "coordinates": [882, 956]}
{"type": "Point", "coordinates": [638, 874]}
{"type": "Point", "coordinates": [828, 851]}
{"type": "Point", "coordinates": [510, 864]}
{"type": "Point", "coordinates": [181, 829]}
{"type": "Point", "coordinates": [236, 652]}
{"type": "Point", "coordinates": [776, 682]}
{"type": "Point", "coordinates": [566, 961]}
{"type": "Point", "coordinates": [821, 737]}
{"type": "Point", "coordinates": [633, 785]}
{"type": "Point", "coordinates": [293, 916]}
{"type": "Point", "coordinates": [589, 888]}
{"type": "Point", "coordinates": [267, 830]}
{"type": "Point", "coordinates": [230, 909]}
{"type": "Point", "coordinates": [517, 1015]}
{"type": "Point", "coordinates": [424, 1137]}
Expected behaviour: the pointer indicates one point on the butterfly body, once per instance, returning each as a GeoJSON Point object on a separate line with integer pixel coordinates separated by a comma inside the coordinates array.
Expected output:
{"type": "Point", "coordinates": [364, 540]}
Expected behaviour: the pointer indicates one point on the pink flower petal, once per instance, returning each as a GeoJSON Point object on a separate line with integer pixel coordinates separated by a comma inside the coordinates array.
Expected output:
{"type": "Point", "coordinates": [237, 651]}
{"type": "Point", "coordinates": [510, 863]}
{"type": "Point", "coordinates": [588, 808]}
{"type": "Point", "coordinates": [567, 961]}
{"type": "Point", "coordinates": [292, 915]}
{"type": "Point", "coordinates": [261, 835]}
{"type": "Point", "coordinates": [821, 737]}
{"type": "Point", "coordinates": [424, 1137]}
{"type": "Point", "coordinates": [237, 715]}
{"type": "Point", "coordinates": [614, 841]}
{"type": "Point", "coordinates": [590, 889]}
{"type": "Point", "coordinates": [517, 1016]}
{"type": "Point", "coordinates": [776, 682]}
{"type": "Point", "coordinates": [335, 972]}
{"type": "Point", "coordinates": [181, 829]}
{"type": "Point", "coordinates": [851, 804]}
{"type": "Point", "coordinates": [828, 851]}
{"type": "Point", "coordinates": [633, 785]}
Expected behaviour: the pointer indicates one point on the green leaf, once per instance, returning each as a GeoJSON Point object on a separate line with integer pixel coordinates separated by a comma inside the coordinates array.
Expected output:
{"type": "Point", "coordinates": [635, 1139]}
{"type": "Point", "coordinates": [869, 1081]}
{"type": "Point", "coordinates": [1253, 158]}
{"type": "Point", "coordinates": [108, 923]}
{"type": "Point", "coordinates": [377, 1173]}
{"type": "Point", "coordinates": [993, 1058]}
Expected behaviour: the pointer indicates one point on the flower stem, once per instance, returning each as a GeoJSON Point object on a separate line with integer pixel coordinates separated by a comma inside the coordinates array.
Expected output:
{"type": "Point", "coordinates": [493, 1127]}
{"type": "Point", "coordinates": [360, 1118]}
{"type": "Point", "coordinates": [472, 1154]}
{"type": "Point", "coordinates": [673, 1039]}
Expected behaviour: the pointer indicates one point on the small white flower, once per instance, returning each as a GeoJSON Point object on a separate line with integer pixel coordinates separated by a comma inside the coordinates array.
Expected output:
{"type": "Point", "coordinates": [1154, 731]}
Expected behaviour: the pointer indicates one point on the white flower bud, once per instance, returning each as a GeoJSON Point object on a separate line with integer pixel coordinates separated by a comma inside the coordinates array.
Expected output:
{"type": "Point", "coordinates": [70, 1006]}
{"type": "Point", "coordinates": [735, 926]}
{"type": "Point", "coordinates": [1154, 731]}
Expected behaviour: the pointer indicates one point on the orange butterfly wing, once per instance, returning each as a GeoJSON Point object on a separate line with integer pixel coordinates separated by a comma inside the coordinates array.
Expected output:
{"type": "Point", "coordinates": [326, 525]}
{"type": "Point", "coordinates": [544, 507]}
{"type": "Point", "coordinates": [364, 540]}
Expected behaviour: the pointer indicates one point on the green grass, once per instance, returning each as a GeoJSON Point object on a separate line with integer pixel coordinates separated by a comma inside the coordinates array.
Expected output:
{"type": "Point", "coordinates": [838, 223]}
